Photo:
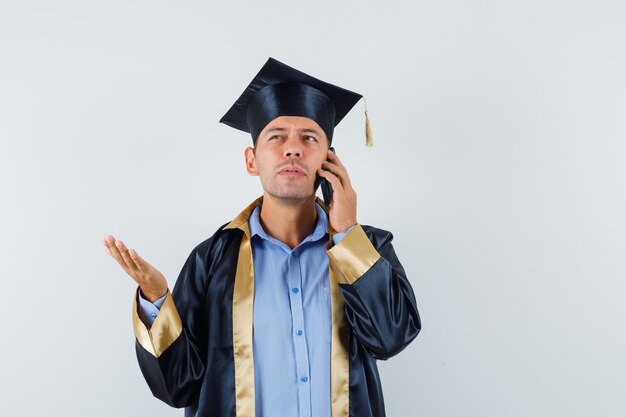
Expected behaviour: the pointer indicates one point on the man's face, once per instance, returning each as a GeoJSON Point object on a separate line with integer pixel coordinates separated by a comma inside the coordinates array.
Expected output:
{"type": "Point", "coordinates": [288, 153]}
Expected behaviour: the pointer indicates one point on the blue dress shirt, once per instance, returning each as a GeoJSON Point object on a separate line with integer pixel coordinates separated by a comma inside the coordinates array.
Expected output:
{"type": "Point", "coordinates": [292, 322]}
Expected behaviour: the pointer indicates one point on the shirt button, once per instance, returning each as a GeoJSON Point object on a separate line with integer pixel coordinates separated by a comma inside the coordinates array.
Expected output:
{"type": "Point", "coordinates": [295, 290]}
{"type": "Point", "coordinates": [153, 315]}
{"type": "Point", "coordinates": [304, 379]}
{"type": "Point", "coordinates": [294, 254]}
{"type": "Point", "coordinates": [299, 332]}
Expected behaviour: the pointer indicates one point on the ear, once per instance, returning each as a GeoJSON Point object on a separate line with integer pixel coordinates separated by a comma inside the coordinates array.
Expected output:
{"type": "Point", "coordinates": [251, 162]}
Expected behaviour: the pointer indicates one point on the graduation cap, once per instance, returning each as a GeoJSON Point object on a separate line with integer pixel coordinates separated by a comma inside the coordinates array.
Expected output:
{"type": "Point", "coordinates": [280, 90]}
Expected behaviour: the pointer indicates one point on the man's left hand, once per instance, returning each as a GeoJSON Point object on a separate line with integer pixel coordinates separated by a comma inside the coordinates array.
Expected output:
{"type": "Point", "coordinates": [342, 212]}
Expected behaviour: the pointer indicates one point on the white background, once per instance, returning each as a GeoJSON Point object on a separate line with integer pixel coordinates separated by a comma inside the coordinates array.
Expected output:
{"type": "Point", "coordinates": [498, 165]}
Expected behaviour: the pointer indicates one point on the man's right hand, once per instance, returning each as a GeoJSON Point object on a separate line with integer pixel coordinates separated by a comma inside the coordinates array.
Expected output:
{"type": "Point", "coordinates": [152, 283]}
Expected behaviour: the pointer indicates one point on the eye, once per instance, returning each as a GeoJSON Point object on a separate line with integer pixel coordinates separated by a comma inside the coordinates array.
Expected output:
{"type": "Point", "coordinates": [310, 138]}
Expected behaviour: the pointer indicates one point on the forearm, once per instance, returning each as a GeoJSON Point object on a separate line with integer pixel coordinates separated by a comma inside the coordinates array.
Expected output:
{"type": "Point", "coordinates": [170, 348]}
{"type": "Point", "coordinates": [380, 304]}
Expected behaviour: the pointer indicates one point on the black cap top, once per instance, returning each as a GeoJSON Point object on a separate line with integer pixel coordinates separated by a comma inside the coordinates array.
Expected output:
{"type": "Point", "coordinates": [280, 90]}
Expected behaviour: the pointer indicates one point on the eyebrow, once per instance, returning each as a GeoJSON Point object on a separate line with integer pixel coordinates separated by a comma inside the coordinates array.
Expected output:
{"type": "Point", "coordinates": [311, 131]}
{"type": "Point", "coordinates": [276, 129]}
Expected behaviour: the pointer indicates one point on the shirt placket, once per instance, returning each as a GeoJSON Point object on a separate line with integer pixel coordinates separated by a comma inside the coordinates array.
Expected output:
{"type": "Point", "coordinates": [299, 336]}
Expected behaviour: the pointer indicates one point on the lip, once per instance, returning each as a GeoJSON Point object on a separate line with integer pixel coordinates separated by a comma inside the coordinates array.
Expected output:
{"type": "Point", "coordinates": [291, 170]}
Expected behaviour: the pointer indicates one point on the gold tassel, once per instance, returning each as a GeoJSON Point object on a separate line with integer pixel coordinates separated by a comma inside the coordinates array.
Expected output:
{"type": "Point", "coordinates": [369, 136]}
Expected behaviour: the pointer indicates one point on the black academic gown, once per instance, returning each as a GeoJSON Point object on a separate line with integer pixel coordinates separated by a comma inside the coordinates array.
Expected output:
{"type": "Point", "coordinates": [198, 352]}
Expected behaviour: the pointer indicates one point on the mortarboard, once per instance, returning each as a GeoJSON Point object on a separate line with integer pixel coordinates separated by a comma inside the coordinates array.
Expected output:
{"type": "Point", "coordinates": [280, 90]}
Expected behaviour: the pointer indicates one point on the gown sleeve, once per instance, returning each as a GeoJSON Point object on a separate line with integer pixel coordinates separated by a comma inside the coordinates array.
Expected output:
{"type": "Point", "coordinates": [380, 305]}
{"type": "Point", "coordinates": [170, 352]}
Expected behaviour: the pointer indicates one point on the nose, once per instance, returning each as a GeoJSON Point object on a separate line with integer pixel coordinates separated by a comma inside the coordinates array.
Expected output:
{"type": "Point", "coordinates": [295, 154]}
{"type": "Point", "coordinates": [293, 148]}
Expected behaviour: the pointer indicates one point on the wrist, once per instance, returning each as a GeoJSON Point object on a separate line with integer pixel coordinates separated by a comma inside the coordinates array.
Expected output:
{"type": "Point", "coordinates": [152, 294]}
{"type": "Point", "coordinates": [346, 228]}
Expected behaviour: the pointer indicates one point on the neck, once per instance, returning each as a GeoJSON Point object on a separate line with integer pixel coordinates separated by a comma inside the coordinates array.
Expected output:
{"type": "Point", "coordinates": [289, 221]}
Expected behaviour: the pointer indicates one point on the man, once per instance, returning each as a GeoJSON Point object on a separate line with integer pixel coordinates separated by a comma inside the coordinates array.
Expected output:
{"type": "Point", "coordinates": [284, 310]}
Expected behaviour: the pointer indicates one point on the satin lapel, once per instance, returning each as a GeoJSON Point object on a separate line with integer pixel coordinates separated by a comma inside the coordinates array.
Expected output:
{"type": "Point", "coordinates": [339, 355]}
{"type": "Point", "coordinates": [243, 304]}
{"type": "Point", "coordinates": [339, 363]}
{"type": "Point", "coordinates": [243, 310]}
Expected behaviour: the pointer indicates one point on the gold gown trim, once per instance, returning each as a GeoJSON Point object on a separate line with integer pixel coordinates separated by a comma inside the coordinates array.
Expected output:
{"type": "Point", "coordinates": [339, 342]}
{"type": "Point", "coordinates": [353, 256]}
{"type": "Point", "coordinates": [243, 313]}
{"type": "Point", "coordinates": [164, 330]}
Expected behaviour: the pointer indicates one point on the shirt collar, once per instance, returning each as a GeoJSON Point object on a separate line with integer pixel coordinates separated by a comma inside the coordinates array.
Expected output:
{"type": "Point", "coordinates": [319, 232]}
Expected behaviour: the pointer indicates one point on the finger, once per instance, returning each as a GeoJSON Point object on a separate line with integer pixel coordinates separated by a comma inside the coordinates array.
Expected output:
{"type": "Point", "coordinates": [334, 168]}
{"type": "Point", "coordinates": [115, 253]}
{"type": "Point", "coordinates": [332, 179]}
{"type": "Point", "coordinates": [108, 240]}
{"type": "Point", "coordinates": [344, 172]}
{"type": "Point", "coordinates": [339, 172]}
{"type": "Point", "coordinates": [141, 264]}
{"type": "Point", "coordinates": [332, 157]}
{"type": "Point", "coordinates": [124, 252]}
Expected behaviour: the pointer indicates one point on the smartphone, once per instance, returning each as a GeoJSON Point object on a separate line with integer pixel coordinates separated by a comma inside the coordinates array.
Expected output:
{"type": "Point", "coordinates": [327, 189]}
